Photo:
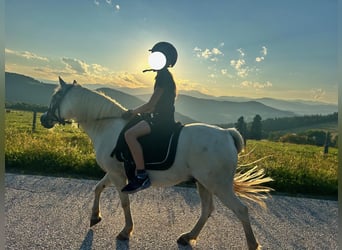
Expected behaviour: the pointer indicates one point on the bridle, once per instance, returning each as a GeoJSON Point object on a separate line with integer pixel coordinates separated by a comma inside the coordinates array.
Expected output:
{"type": "Point", "coordinates": [53, 114]}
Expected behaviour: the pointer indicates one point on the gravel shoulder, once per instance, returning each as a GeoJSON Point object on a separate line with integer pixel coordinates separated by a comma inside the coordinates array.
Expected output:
{"type": "Point", "coordinates": [53, 213]}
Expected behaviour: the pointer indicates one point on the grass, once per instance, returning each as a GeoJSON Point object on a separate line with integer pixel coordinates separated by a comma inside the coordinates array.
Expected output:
{"type": "Point", "coordinates": [61, 151]}
{"type": "Point", "coordinates": [67, 151]}
{"type": "Point", "coordinates": [297, 168]}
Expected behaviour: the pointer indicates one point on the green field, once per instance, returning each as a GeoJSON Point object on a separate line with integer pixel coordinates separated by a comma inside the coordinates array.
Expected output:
{"type": "Point", "coordinates": [61, 151]}
{"type": "Point", "coordinates": [67, 151]}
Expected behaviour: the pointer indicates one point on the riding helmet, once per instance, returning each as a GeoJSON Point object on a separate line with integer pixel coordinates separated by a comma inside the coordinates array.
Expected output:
{"type": "Point", "coordinates": [169, 52]}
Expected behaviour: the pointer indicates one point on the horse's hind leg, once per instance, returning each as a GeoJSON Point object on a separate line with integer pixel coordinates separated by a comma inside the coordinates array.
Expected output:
{"type": "Point", "coordinates": [207, 207]}
{"type": "Point", "coordinates": [125, 203]}
{"type": "Point", "coordinates": [230, 200]}
{"type": "Point", "coordinates": [100, 186]}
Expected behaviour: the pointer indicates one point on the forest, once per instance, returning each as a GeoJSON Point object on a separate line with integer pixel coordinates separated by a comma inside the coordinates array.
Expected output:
{"type": "Point", "coordinates": [311, 129]}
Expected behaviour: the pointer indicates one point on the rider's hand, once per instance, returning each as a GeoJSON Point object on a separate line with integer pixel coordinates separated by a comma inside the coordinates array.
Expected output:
{"type": "Point", "coordinates": [127, 115]}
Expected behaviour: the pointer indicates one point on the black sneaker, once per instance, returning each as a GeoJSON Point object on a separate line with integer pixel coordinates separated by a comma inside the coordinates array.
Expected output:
{"type": "Point", "coordinates": [136, 185]}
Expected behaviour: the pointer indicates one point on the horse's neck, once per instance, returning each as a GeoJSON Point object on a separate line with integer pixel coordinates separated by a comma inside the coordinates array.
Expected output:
{"type": "Point", "coordinates": [88, 106]}
{"type": "Point", "coordinates": [98, 116]}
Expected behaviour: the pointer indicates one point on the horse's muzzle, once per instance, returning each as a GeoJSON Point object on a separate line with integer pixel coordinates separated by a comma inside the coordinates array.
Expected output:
{"type": "Point", "coordinates": [47, 121]}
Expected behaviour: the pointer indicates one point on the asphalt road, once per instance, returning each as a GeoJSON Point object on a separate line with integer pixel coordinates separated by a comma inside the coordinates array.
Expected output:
{"type": "Point", "coordinates": [53, 213]}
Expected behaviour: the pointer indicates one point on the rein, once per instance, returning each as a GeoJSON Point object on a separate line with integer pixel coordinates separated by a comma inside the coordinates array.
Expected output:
{"type": "Point", "coordinates": [97, 119]}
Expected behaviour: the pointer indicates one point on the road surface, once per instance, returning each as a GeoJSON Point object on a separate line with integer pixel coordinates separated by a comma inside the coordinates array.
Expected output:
{"type": "Point", "coordinates": [53, 213]}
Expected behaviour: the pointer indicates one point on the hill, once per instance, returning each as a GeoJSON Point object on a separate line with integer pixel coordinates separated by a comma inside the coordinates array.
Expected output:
{"type": "Point", "coordinates": [20, 88]}
{"type": "Point", "coordinates": [300, 107]}
{"type": "Point", "coordinates": [212, 111]}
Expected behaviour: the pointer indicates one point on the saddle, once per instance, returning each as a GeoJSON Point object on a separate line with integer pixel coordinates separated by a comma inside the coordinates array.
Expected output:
{"type": "Point", "coordinates": [159, 147]}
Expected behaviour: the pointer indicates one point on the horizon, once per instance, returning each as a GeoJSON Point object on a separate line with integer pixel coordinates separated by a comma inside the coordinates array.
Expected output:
{"type": "Point", "coordinates": [138, 92]}
{"type": "Point", "coordinates": [281, 50]}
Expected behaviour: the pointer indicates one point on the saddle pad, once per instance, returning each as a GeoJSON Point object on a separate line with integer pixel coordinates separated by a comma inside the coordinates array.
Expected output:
{"type": "Point", "coordinates": [159, 147]}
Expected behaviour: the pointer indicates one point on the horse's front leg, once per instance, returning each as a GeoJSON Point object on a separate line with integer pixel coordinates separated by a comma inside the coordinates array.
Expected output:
{"type": "Point", "coordinates": [207, 206]}
{"type": "Point", "coordinates": [119, 181]}
{"type": "Point", "coordinates": [100, 186]}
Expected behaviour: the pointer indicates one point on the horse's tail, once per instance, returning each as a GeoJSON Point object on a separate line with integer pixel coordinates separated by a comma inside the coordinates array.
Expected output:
{"type": "Point", "coordinates": [238, 140]}
{"type": "Point", "coordinates": [249, 185]}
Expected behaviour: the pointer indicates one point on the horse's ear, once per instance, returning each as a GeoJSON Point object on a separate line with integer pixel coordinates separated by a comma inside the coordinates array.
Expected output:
{"type": "Point", "coordinates": [61, 82]}
{"type": "Point", "coordinates": [74, 82]}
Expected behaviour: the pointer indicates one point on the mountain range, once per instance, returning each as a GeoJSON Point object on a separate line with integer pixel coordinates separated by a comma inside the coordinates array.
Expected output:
{"type": "Point", "coordinates": [190, 106]}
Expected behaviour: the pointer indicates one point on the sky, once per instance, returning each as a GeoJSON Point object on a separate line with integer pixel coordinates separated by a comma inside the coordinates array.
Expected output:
{"type": "Point", "coordinates": [265, 48]}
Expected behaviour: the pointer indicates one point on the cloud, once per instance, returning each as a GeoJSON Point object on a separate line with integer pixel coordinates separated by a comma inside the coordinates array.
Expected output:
{"type": "Point", "coordinates": [206, 53]}
{"type": "Point", "coordinates": [188, 85]}
{"type": "Point", "coordinates": [25, 54]}
{"type": "Point", "coordinates": [225, 73]}
{"type": "Point", "coordinates": [76, 65]}
{"type": "Point", "coordinates": [263, 54]}
{"type": "Point", "coordinates": [255, 85]}
{"type": "Point", "coordinates": [242, 54]}
{"type": "Point", "coordinates": [110, 3]}
{"type": "Point", "coordinates": [240, 67]}
{"type": "Point", "coordinates": [98, 73]}
{"type": "Point", "coordinates": [264, 51]}
{"type": "Point", "coordinates": [259, 59]}
{"type": "Point", "coordinates": [127, 77]}
{"type": "Point", "coordinates": [72, 68]}
{"type": "Point", "coordinates": [210, 54]}
{"type": "Point", "coordinates": [317, 94]}
{"type": "Point", "coordinates": [97, 69]}
{"type": "Point", "coordinates": [216, 51]}
{"type": "Point", "coordinates": [197, 51]}
{"type": "Point", "coordinates": [237, 64]}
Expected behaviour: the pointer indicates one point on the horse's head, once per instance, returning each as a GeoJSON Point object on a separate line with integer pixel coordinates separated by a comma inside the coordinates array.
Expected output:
{"type": "Point", "coordinates": [53, 115]}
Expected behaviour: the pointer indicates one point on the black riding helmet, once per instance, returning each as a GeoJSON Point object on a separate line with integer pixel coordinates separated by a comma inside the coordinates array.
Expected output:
{"type": "Point", "coordinates": [169, 52]}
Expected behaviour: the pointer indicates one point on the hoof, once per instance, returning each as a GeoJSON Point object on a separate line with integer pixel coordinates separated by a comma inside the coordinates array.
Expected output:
{"type": "Point", "coordinates": [95, 221]}
{"type": "Point", "coordinates": [122, 237]}
{"type": "Point", "coordinates": [184, 240]}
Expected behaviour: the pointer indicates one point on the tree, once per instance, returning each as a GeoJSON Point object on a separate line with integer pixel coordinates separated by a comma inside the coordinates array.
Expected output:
{"type": "Point", "coordinates": [255, 132]}
{"type": "Point", "coordinates": [318, 137]}
{"type": "Point", "coordinates": [241, 126]}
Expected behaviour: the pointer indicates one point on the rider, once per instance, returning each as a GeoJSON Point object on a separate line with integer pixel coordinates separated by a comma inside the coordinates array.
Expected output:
{"type": "Point", "coordinates": [160, 108]}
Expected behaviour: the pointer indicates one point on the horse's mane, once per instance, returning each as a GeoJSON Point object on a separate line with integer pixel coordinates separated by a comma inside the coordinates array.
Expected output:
{"type": "Point", "coordinates": [94, 105]}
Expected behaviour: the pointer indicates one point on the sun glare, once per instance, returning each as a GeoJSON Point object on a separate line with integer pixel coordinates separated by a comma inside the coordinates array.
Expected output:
{"type": "Point", "coordinates": [157, 60]}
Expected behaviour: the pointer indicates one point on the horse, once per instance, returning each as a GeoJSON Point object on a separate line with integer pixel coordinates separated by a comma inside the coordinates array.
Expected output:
{"type": "Point", "coordinates": [205, 153]}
